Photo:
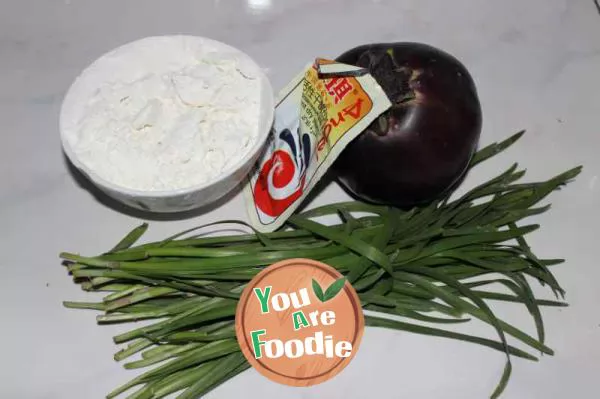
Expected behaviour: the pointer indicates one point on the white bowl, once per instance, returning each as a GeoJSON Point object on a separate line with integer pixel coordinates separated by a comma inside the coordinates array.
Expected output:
{"type": "Point", "coordinates": [179, 200]}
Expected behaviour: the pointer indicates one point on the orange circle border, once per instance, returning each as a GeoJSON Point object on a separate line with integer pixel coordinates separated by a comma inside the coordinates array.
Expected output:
{"type": "Point", "coordinates": [273, 375]}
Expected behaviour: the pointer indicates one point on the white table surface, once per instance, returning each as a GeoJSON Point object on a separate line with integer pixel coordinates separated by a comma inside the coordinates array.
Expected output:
{"type": "Point", "coordinates": [537, 67]}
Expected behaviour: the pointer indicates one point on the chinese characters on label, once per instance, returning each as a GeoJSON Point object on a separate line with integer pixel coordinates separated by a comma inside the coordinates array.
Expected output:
{"type": "Point", "coordinates": [338, 88]}
{"type": "Point", "coordinates": [315, 119]}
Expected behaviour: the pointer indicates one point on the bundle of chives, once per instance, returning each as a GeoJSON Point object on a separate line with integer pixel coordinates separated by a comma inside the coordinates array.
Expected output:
{"type": "Point", "coordinates": [425, 264]}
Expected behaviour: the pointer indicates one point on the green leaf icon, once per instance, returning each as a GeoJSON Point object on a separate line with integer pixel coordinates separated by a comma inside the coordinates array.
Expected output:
{"type": "Point", "coordinates": [331, 292]}
{"type": "Point", "coordinates": [318, 290]}
{"type": "Point", "coordinates": [334, 289]}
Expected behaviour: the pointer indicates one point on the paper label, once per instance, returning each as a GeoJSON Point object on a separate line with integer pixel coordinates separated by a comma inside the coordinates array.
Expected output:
{"type": "Point", "coordinates": [317, 115]}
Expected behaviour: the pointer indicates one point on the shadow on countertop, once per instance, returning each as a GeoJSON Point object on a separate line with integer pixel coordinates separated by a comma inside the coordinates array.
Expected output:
{"type": "Point", "coordinates": [115, 205]}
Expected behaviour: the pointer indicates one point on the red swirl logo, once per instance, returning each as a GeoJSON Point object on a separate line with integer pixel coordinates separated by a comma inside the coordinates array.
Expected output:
{"type": "Point", "coordinates": [282, 178]}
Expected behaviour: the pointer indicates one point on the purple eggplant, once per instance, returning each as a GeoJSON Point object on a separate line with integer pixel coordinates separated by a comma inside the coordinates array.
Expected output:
{"type": "Point", "coordinates": [421, 147]}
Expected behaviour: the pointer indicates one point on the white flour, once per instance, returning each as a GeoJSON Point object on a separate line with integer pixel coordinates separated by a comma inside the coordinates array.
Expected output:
{"type": "Point", "coordinates": [175, 117]}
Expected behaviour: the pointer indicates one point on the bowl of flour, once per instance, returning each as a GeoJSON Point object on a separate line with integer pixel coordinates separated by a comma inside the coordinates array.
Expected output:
{"type": "Point", "coordinates": [167, 123]}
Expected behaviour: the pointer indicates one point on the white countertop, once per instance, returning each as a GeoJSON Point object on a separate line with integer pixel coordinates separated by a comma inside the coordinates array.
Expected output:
{"type": "Point", "coordinates": [537, 67]}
